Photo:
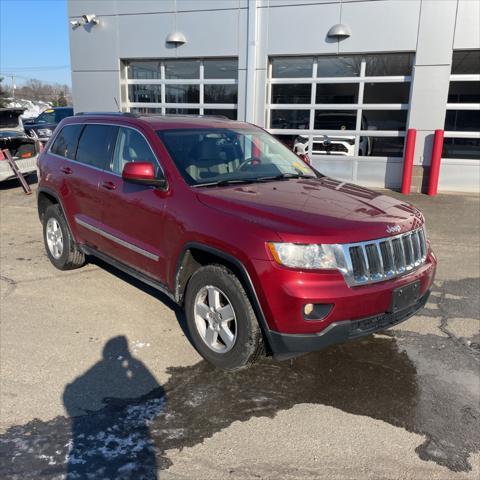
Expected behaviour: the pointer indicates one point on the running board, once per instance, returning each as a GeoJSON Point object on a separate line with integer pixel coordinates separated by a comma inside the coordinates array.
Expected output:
{"type": "Point", "coordinates": [129, 271]}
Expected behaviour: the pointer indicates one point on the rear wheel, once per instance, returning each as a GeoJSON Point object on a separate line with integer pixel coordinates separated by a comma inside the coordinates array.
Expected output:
{"type": "Point", "coordinates": [61, 249]}
{"type": "Point", "coordinates": [221, 320]}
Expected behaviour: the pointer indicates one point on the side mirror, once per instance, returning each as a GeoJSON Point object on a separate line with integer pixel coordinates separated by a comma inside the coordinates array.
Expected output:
{"type": "Point", "coordinates": [142, 173]}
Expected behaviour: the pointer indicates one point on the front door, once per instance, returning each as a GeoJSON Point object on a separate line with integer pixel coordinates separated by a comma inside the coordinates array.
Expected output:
{"type": "Point", "coordinates": [132, 215]}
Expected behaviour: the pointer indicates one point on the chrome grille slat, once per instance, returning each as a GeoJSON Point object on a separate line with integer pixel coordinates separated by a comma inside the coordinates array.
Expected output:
{"type": "Point", "coordinates": [378, 260]}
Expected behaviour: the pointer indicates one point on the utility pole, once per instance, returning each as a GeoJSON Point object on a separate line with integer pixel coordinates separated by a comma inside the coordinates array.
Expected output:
{"type": "Point", "coordinates": [13, 86]}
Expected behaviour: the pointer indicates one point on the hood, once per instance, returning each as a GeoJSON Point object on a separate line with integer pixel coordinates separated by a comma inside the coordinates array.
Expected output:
{"type": "Point", "coordinates": [315, 210]}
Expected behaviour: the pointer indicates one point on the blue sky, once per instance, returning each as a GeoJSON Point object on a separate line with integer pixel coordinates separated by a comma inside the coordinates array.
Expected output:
{"type": "Point", "coordinates": [33, 36]}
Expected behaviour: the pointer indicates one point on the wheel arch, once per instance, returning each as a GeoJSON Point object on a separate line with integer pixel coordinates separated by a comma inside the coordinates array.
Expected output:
{"type": "Point", "coordinates": [195, 255]}
{"type": "Point", "coordinates": [46, 198]}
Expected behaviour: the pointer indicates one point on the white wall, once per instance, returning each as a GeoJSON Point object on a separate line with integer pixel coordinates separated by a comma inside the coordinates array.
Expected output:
{"type": "Point", "coordinates": [137, 29]}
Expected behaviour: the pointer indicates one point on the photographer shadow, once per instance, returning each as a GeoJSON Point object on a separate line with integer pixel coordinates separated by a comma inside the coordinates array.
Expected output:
{"type": "Point", "coordinates": [110, 436]}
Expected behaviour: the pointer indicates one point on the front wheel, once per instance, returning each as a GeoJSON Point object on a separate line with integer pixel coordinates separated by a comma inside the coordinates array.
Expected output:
{"type": "Point", "coordinates": [221, 320]}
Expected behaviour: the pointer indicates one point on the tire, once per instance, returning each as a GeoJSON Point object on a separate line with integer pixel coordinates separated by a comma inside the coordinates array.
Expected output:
{"type": "Point", "coordinates": [247, 344]}
{"type": "Point", "coordinates": [68, 257]}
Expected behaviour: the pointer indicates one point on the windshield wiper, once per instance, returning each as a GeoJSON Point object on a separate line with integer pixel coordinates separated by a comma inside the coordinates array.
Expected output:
{"type": "Point", "coordinates": [232, 181]}
{"type": "Point", "coordinates": [286, 176]}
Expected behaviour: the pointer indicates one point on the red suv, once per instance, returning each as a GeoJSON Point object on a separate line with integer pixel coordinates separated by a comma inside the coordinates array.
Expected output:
{"type": "Point", "coordinates": [264, 253]}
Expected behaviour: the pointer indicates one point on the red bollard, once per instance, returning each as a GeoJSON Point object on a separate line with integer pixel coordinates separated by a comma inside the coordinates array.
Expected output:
{"type": "Point", "coordinates": [408, 160]}
{"type": "Point", "coordinates": [435, 163]}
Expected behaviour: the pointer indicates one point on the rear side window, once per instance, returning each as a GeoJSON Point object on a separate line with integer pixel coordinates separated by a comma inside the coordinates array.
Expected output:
{"type": "Point", "coordinates": [66, 142]}
{"type": "Point", "coordinates": [96, 145]}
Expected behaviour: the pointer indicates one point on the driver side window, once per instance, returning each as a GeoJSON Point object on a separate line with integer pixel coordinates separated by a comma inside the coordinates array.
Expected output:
{"type": "Point", "coordinates": [131, 147]}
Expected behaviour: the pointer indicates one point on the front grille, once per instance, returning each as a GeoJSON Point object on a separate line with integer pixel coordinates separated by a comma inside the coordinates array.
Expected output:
{"type": "Point", "coordinates": [378, 260]}
{"type": "Point", "coordinates": [330, 147]}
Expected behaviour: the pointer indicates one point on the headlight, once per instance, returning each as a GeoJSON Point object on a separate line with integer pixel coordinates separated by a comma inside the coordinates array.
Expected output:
{"type": "Point", "coordinates": [44, 132]}
{"type": "Point", "coordinates": [312, 256]}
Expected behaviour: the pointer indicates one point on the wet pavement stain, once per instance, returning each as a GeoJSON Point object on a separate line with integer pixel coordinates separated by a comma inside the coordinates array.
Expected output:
{"type": "Point", "coordinates": [425, 384]}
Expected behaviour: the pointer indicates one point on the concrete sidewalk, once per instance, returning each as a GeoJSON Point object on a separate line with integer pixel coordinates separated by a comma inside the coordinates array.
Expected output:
{"type": "Point", "coordinates": [91, 354]}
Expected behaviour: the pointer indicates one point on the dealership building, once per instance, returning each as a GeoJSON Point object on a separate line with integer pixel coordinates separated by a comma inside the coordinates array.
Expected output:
{"type": "Point", "coordinates": [342, 80]}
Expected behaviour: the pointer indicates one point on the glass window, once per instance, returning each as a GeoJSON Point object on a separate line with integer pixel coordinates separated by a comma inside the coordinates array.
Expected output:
{"type": "Point", "coordinates": [48, 116]}
{"type": "Point", "coordinates": [220, 93]}
{"type": "Point", "coordinates": [66, 142]}
{"type": "Point", "coordinates": [292, 67]}
{"type": "Point", "coordinates": [182, 69]}
{"type": "Point", "coordinates": [467, 148]}
{"type": "Point", "coordinates": [382, 146]}
{"type": "Point", "coordinates": [384, 119]}
{"type": "Point", "coordinates": [292, 93]}
{"type": "Point", "coordinates": [335, 120]}
{"type": "Point", "coordinates": [386, 92]}
{"type": "Point", "coordinates": [182, 93]}
{"type": "Point", "coordinates": [339, 66]}
{"type": "Point", "coordinates": [288, 140]}
{"type": "Point", "coordinates": [466, 62]}
{"type": "Point", "coordinates": [462, 120]}
{"type": "Point", "coordinates": [231, 114]}
{"type": "Point", "coordinates": [337, 93]}
{"type": "Point", "coordinates": [131, 146]}
{"type": "Point", "coordinates": [145, 110]}
{"type": "Point", "coordinates": [208, 156]}
{"type": "Point", "coordinates": [96, 145]}
{"type": "Point", "coordinates": [388, 64]}
{"type": "Point", "coordinates": [464, 92]}
{"type": "Point", "coordinates": [183, 111]}
{"type": "Point", "coordinates": [333, 144]}
{"type": "Point", "coordinates": [144, 70]}
{"type": "Point", "coordinates": [145, 93]}
{"type": "Point", "coordinates": [291, 119]}
{"type": "Point", "coordinates": [220, 68]}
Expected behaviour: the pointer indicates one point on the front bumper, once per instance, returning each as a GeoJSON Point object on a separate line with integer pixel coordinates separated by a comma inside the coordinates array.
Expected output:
{"type": "Point", "coordinates": [289, 345]}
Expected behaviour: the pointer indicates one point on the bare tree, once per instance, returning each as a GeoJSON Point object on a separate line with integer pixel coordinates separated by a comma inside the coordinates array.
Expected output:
{"type": "Point", "coordinates": [34, 89]}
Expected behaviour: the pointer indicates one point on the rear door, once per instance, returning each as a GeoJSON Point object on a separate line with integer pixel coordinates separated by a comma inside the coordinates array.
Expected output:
{"type": "Point", "coordinates": [133, 214]}
{"type": "Point", "coordinates": [82, 177]}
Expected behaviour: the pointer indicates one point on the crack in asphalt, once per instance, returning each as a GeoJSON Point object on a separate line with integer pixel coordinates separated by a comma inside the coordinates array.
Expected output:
{"type": "Point", "coordinates": [11, 286]}
{"type": "Point", "coordinates": [456, 299]}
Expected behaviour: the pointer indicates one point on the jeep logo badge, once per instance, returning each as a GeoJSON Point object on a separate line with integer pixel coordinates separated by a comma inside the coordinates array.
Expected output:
{"type": "Point", "coordinates": [393, 228]}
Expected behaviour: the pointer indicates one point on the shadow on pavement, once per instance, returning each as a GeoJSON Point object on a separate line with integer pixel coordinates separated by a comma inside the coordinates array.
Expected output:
{"type": "Point", "coordinates": [405, 381]}
{"type": "Point", "coordinates": [98, 448]}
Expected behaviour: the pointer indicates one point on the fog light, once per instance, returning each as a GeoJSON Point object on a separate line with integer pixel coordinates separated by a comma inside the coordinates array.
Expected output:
{"type": "Point", "coordinates": [317, 311]}
{"type": "Point", "coordinates": [308, 309]}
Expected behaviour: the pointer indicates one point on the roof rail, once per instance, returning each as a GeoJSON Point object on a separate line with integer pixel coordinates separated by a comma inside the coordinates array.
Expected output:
{"type": "Point", "coordinates": [120, 114]}
{"type": "Point", "coordinates": [186, 115]}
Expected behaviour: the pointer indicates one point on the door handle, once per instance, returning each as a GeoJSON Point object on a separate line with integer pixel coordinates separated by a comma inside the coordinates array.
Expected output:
{"type": "Point", "coordinates": [66, 170]}
{"type": "Point", "coordinates": [109, 185]}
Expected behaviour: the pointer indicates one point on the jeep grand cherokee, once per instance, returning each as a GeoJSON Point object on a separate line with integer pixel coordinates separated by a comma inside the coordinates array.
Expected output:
{"type": "Point", "coordinates": [264, 253]}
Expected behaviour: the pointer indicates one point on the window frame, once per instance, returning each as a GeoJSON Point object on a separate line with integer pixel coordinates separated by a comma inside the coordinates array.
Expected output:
{"type": "Point", "coordinates": [108, 170]}
{"type": "Point", "coordinates": [50, 150]}
{"type": "Point", "coordinates": [462, 77]}
{"type": "Point", "coordinates": [201, 106]}
{"type": "Point", "coordinates": [358, 107]}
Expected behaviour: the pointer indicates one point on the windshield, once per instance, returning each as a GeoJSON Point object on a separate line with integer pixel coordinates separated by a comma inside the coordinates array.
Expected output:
{"type": "Point", "coordinates": [212, 156]}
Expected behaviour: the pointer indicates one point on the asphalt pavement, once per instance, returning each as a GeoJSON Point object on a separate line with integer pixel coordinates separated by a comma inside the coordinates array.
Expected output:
{"type": "Point", "coordinates": [98, 380]}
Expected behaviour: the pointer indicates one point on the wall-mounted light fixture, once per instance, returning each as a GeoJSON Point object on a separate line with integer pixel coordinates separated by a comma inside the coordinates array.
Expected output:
{"type": "Point", "coordinates": [339, 31]}
{"type": "Point", "coordinates": [87, 20]}
{"type": "Point", "coordinates": [176, 39]}
{"type": "Point", "coordinates": [91, 18]}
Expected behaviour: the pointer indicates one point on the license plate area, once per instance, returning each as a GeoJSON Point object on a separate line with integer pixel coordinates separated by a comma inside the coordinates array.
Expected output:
{"type": "Point", "coordinates": [406, 296]}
